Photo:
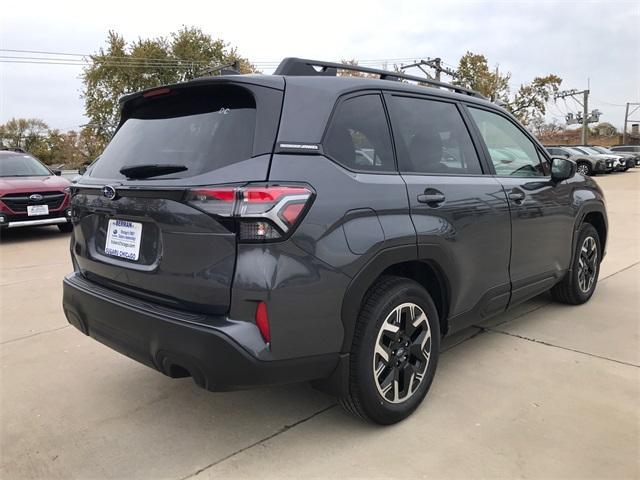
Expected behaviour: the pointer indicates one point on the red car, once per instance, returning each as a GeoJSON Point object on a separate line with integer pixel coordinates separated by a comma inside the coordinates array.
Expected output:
{"type": "Point", "coordinates": [31, 193]}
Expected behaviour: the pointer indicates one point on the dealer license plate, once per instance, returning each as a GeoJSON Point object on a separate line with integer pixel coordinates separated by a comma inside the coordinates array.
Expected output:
{"type": "Point", "coordinates": [123, 239]}
{"type": "Point", "coordinates": [34, 210]}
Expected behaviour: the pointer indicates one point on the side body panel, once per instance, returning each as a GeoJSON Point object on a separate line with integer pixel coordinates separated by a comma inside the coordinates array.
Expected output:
{"type": "Point", "coordinates": [542, 233]}
{"type": "Point", "coordinates": [470, 230]}
{"type": "Point", "coordinates": [355, 219]}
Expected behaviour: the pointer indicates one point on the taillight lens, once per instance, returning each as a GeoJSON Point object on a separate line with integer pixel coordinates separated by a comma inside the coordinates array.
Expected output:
{"type": "Point", "coordinates": [262, 321]}
{"type": "Point", "coordinates": [265, 212]}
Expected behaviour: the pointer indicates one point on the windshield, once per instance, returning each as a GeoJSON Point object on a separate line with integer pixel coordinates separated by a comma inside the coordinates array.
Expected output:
{"type": "Point", "coordinates": [198, 129]}
{"type": "Point", "coordinates": [579, 151]}
{"type": "Point", "coordinates": [590, 150]}
{"type": "Point", "coordinates": [21, 165]}
{"type": "Point", "coordinates": [600, 149]}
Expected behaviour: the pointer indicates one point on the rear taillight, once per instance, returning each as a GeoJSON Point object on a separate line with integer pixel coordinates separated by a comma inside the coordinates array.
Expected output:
{"type": "Point", "coordinates": [264, 212]}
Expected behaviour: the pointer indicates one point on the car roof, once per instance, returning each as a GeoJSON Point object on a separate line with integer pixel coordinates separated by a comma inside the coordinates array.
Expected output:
{"type": "Point", "coordinates": [310, 95]}
{"type": "Point", "coordinates": [309, 101]}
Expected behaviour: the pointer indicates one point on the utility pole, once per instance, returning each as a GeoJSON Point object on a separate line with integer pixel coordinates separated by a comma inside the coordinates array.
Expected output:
{"type": "Point", "coordinates": [624, 127]}
{"type": "Point", "coordinates": [436, 64]}
{"type": "Point", "coordinates": [627, 114]}
{"type": "Point", "coordinates": [585, 118]}
{"type": "Point", "coordinates": [433, 63]}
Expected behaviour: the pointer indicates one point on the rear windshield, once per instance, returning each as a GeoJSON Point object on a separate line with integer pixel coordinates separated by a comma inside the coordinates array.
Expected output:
{"type": "Point", "coordinates": [21, 165]}
{"type": "Point", "coordinates": [201, 129]}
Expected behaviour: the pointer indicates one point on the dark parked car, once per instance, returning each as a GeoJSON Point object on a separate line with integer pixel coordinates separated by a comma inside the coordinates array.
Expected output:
{"type": "Point", "coordinates": [31, 193]}
{"type": "Point", "coordinates": [262, 229]}
{"type": "Point", "coordinates": [626, 148]}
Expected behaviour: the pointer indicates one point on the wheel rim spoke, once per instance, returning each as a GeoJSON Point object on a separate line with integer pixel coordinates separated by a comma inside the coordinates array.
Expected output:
{"type": "Point", "coordinates": [587, 264]}
{"type": "Point", "coordinates": [402, 352]}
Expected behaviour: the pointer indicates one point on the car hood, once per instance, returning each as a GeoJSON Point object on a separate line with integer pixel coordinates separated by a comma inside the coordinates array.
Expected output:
{"type": "Point", "coordinates": [625, 154]}
{"type": "Point", "coordinates": [32, 184]}
{"type": "Point", "coordinates": [607, 156]}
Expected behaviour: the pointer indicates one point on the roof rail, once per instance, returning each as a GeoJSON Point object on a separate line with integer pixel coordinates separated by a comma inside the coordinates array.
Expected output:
{"type": "Point", "coordinates": [304, 67]}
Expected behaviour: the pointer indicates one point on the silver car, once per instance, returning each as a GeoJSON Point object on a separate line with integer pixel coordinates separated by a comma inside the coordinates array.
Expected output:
{"type": "Point", "coordinates": [587, 164]}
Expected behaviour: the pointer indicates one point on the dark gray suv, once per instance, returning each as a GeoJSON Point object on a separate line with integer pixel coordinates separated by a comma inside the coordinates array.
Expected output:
{"type": "Point", "coordinates": [261, 229]}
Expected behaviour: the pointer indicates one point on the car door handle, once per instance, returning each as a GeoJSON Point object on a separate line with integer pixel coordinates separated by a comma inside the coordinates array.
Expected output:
{"type": "Point", "coordinates": [516, 195]}
{"type": "Point", "coordinates": [431, 196]}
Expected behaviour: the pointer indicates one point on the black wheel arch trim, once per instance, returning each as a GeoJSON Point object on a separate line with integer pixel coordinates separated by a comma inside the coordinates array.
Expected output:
{"type": "Point", "coordinates": [591, 206]}
{"type": "Point", "coordinates": [433, 255]}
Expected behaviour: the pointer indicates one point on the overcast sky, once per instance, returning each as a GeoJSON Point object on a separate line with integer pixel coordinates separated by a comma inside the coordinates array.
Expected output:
{"type": "Point", "coordinates": [576, 40]}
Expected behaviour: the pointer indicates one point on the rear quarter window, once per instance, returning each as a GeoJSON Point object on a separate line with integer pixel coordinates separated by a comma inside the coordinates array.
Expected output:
{"type": "Point", "coordinates": [203, 129]}
{"type": "Point", "coordinates": [358, 135]}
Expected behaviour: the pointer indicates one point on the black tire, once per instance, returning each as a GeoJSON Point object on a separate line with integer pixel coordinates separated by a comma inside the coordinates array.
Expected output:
{"type": "Point", "coordinates": [65, 227]}
{"type": "Point", "coordinates": [571, 289]}
{"type": "Point", "coordinates": [585, 168]}
{"type": "Point", "coordinates": [364, 398]}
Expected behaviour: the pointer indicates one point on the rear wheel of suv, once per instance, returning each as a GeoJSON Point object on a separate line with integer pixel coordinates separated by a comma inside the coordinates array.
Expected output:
{"type": "Point", "coordinates": [584, 168]}
{"type": "Point", "coordinates": [394, 353]}
{"type": "Point", "coordinates": [580, 282]}
{"type": "Point", "coordinates": [65, 227]}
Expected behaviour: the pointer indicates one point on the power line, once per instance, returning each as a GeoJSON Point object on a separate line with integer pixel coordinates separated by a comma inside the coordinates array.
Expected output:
{"type": "Point", "coordinates": [85, 57]}
{"type": "Point", "coordinates": [609, 103]}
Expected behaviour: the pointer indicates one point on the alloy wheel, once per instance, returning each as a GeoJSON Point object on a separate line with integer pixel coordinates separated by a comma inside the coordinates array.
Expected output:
{"type": "Point", "coordinates": [583, 169]}
{"type": "Point", "coordinates": [587, 264]}
{"type": "Point", "coordinates": [402, 352]}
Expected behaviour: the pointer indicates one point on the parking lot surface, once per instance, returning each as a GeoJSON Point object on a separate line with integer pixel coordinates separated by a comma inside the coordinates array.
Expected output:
{"type": "Point", "coordinates": [543, 391]}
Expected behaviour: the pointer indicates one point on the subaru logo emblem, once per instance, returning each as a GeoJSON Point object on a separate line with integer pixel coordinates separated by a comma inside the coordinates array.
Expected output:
{"type": "Point", "coordinates": [36, 197]}
{"type": "Point", "coordinates": [109, 192]}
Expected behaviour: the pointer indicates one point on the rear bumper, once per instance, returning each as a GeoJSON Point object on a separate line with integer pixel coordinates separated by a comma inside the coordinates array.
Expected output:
{"type": "Point", "coordinates": [210, 349]}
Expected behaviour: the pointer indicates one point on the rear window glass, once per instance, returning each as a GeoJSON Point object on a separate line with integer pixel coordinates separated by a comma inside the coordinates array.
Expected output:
{"type": "Point", "coordinates": [202, 129]}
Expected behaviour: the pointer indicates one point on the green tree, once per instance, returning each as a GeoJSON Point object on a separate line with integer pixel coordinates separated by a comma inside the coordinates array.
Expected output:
{"type": "Point", "coordinates": [53, 147]}
{"type": "Point", "coordinates": [26, 133]}
{"type": "Point", "coordinates": [528, 102]}
{"type": "Point", "coordinates": [121, 68]}
{"type": "Point", "coordinates": [473, 72]}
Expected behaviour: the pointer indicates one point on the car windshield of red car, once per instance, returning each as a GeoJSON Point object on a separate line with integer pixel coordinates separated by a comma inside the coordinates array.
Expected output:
{"type": "Point", "coordinates": [21, 165]}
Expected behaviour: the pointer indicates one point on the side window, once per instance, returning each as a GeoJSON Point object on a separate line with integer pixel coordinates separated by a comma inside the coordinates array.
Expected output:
{"type": "Point", "coordinates": [432, 137]}
{"type": "Point", "coordinates": [557, 152]}
{"type": "Point", "coordinates": [358, 136]}
{"type": "Point", "coordinates": [512, 153]}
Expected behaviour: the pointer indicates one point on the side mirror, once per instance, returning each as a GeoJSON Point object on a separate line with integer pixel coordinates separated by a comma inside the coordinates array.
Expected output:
{"type": "Point", "coordinates": [82, 170]}
{"type": "Point", "coordinates": [562, 169]}
{"type": "Point", "coordinates": [57, 172]}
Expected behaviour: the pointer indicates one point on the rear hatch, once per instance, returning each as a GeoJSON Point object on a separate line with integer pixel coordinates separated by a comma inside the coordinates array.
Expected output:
{"type": "Point", "coordinates": [136, 230]}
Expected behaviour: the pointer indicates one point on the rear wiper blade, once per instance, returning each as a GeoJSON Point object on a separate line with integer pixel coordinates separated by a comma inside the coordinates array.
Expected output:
{"type": "Point", "coordinates": [150, 170]}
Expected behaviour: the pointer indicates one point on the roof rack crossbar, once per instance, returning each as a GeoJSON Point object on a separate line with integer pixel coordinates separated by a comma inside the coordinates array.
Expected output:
{"type": "Point", "coordinates": [305, 67]}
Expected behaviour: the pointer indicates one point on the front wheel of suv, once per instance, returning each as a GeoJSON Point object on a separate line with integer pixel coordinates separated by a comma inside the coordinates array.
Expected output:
{"type": "Point", "coordinates": [584, 168]}
{"type": "Point", "coordinates": [580, 282]}
{"type": "Point", "coordinates": [394, 352]}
